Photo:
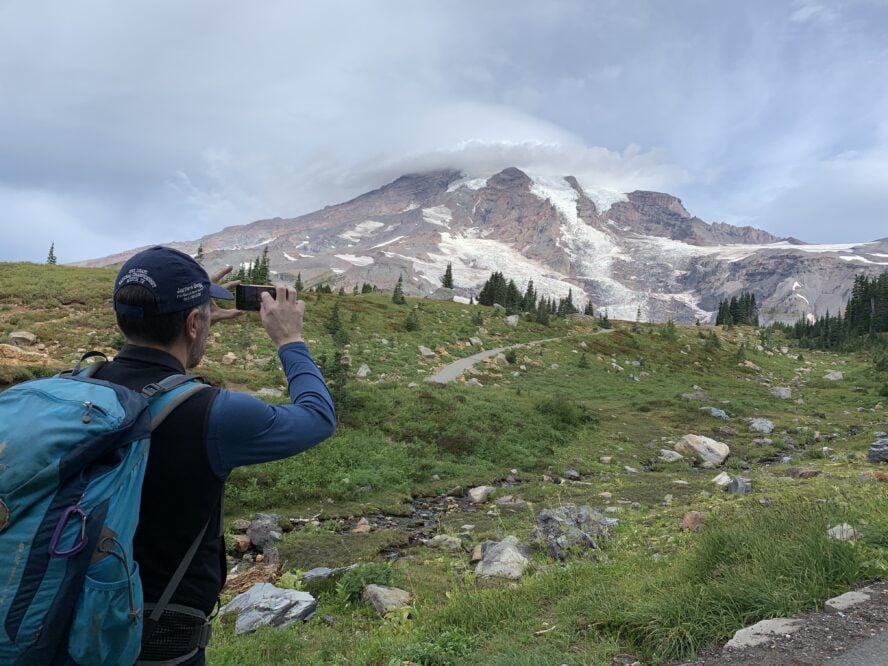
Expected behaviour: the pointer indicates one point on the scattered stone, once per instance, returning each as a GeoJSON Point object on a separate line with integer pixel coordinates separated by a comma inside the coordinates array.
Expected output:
{"type": "Point", "coordinates": [878, 451]}
{"type": "Point", "coordinates": [22, 338]}
{"type": "Point", "coordinates": [834, 376]}
{"type": "Point", "coordinates": [706, 449]}
{"type": "Point", "coordinates": [242, 543]}
{"type": "Point", "coordinates": [512, 320]}
{"type": "Point", "coordinates": [843, 602]}
{"type": "Point", "coordinates": [843, 532]}
{"type": "Point", "coordinates": [693, 521]}
{"type": "Point", "coordinates": [425, 352]}
{"type": "Point", "coordinates": [445, 542]}
{"type": "Point", "coordinates": [572, 474]}
{"type": "Point", "coordinates": [630, 470]}
{"type": "Point", "coordinates": [750, 365]}
{"type": "Point", "coordinates": [782, 392]}
{"type": "Point", "coordinates": [363, 527]}
{"type": "Point", "coordinates": [480, 494]}
{"type": "Point", "coordinates": [328, 619]}
{"type": "Point", "coordinates": [476, 342]}
{"type": "Point", "coordinates": [765, 501]}
{"type": "Point", "coordinates": [229, 358]}
{"type": "Point", "coordinates": [725, 431]}
{"type": "Point", "coordinates": [763, 632]}
{"type": "Point", "coordinates": [480, 550]}
{"type": "Point", "coordinates": [635, 506]}
{"type": "Point", "coordinates": [264, 530]}
{"type": "Point", "coordinates": [739, 486]}
{"type": "Point", "coordinates": [763, 441]}
{"type": "Point", "coordinates": [324, 573]}
{"type": "Point", "coordinates": [723, 480]}
{"type": "Point", "coordinates": [474, 382]}
{"type": "Point", "coordinates": [267, 605]}
{"type": "Point", "coordinates": [695, 395]}
{"type": "Point", "coordinates": [386, 599]}
{"type": "Point", "coordinates": [568, 528]}
{"type": "Point", "coordinates": [880, 435]}
{"type": "Point", "coordinates": [503, 560]}
{"type": "Point", "coordinates": [670, 456]}
{"type": "Point", "coordinates": [269, 393]}
{"type": "Point", "coordinates": [605, 460]}
{"type": "Point", "coordinates": [363, 371]}
{"type": "Point", "coordinates": [240, 526]}
{"type": "Point", "coordinates": [802, 472]}
{"type": "Point", "coordinates": [761, 425]}
{"type": "Point", "coordinates": [715, 412]}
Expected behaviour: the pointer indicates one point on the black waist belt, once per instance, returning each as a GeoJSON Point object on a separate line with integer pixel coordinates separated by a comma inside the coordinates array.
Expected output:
{"type": "Point", "coordinates": [178, 635]}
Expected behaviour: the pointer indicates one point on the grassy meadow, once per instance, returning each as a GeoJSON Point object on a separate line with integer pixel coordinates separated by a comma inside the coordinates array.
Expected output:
{"type": "Point", "coordinates": [653, 592]}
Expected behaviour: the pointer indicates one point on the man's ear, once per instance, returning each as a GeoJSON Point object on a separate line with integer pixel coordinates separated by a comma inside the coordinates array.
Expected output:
{"type": "Point", "coordinates": [192, 324]}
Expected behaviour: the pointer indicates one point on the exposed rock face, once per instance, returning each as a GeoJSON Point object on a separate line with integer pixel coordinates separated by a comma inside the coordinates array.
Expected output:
{"type": "Point", "coordinates": [561, 233]}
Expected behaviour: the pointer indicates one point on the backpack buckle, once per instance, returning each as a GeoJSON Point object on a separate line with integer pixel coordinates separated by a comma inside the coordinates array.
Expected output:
{"type": "Point", "coordinates": [151, 390]}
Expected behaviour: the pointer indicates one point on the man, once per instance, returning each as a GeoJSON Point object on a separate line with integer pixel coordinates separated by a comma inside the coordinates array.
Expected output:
{"type": "Point", "coordinates": [162, 299]}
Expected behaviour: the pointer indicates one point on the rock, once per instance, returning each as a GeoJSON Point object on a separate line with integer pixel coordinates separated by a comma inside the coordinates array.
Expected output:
{"type": "Point", "coordinates": [10, 355]}
{"type": "Point", "coordinates": [750, 365]}
{"type": "Point", "coordinates": [569, 528]}
{"type": "Point", "coordinates": [503, 560]}
{"type": "Point", "coordinates": [572, 474]}
{"type": "Point", "coordinates": [480, 550]}
{"type": "Point", "coordinates": [761, 425]}
{"type": "Point", "coordinates": [269, 393]}
{"type": "Point", "coordinates": [725, 431]}
{"type": "Point", "coordinates": [834, 376]}
{"type": "Point", "coordinates": [843, 532]}
{"type": "Point", "coordinates": [328, 619]}
{"type": "Point", "coordinates": [843, 602]}
{"type": "Point", "coordinates": [22, 338]}
{"type": "Point", "coordinates": [267, 605]}
{"type": "Point", "coordinates": [476, 342]}
{"type": "Point", "coordinates": [363, 527]}
{"type": "Point", "coordinates": [512, 320]}
{"type": "Point", "coordinates": [265, 530]}
{"type": "Point", "coordinates": [480, 494]}
{"type": "Point", "coordinates": [363, 372]}
{"type": "Point", "coordinates": [670, 456]}
{"type": "Point", "coordinates": [782, 392]}
{"type": "Point", "coordinates": [425, 352]}
{"type": "Point", "coordinates": [878, 451]}
{"type": "Point", "coordinates": [324, 573]}
{"type": "Point", "coordinates": [240, 526]}
{"type": "Point", "coordinates": [693, 521]}
{"type": "Point", "coordinates": [739, 486]}
{"type": "Point", "coordinates": [802, 472]}
{"type": "Point", "coordinates": [763, 441]}
{"type": "Point", "coordinates": [241, 544]}
{"type": "Point", "coordinates": [880, 435]}
{"type": "Point", "coordinates": [386, 599]}
{"type": "Point", "coordinates": [345, 359]}
{"type": "Point", "coordinates": [474, 382]}
{"type": "Point", "coordinates": [722, 480]}
{"type": "Point", "coordinates": [695, 395]}
{"type": "Point", "coordinates": [630, 470]}
{"type": "Point", "coordinates": [497, 306]}
{"type": "Point", "coordinates": [445, 542]}
{"type": "Point", "coordinates": [229, 358]}
{"type": "Point", "coordinates": [715, 412]}
{"type": "Point", "coordinates": [763, 632]}
{"type": "Point", "coordinates": [605, 460]}
{"type": "Point", "coordinates": [707, 450]}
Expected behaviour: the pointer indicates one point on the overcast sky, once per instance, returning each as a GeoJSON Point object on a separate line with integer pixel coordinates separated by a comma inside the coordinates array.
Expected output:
{"type": "Point", "coordinates": [126, 123]}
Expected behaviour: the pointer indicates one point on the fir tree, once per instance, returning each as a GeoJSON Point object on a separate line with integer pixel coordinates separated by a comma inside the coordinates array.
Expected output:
{"type": "Point", "coordinates": [447, 279]}
{"type": "Point", "coordinates": [297, 284]}
{"type": "Point", "coordinates": [200, 254]}
{"type": "Point", "coordinates": [366, 288]}
{"type": "Point", "coordinates": [51, 257]}
{"type": "Point", "coordinates": [411, 323]}
{"type": "Point", "coordinates": [398, 293]}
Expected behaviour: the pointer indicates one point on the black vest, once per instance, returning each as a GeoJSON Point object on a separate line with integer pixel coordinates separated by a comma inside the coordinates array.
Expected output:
{"type": "Point", "coordinates": [180, 492]}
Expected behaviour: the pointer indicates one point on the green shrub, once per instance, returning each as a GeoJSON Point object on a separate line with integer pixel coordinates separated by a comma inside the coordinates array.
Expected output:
{"type": "Point", "coordinates": [511, 356]}
{"type": "Point", "coordinates": [351, 588]}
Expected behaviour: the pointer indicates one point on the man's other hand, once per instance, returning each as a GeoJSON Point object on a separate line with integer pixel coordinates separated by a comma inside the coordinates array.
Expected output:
{"type": "Point", "coordinates": [282, 316]}
{"type": "Point", "coordinates": [217, 313]}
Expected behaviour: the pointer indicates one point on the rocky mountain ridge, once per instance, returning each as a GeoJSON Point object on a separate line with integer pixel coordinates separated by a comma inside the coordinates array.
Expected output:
{"type": "Point", "coordinates": [629, 253]}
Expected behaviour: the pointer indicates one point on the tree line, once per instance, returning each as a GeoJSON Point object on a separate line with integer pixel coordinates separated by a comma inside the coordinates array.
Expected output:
{"type": "Point", "coordinates": [741, 311]}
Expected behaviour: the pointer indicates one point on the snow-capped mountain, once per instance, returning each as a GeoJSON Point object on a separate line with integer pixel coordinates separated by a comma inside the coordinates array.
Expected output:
{"type": "Point", "coordinates": [623, 251]}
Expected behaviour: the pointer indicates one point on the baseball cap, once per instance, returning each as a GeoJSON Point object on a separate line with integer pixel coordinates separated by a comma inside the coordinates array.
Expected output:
{"type": "Point", "coordinates": [176, 281]}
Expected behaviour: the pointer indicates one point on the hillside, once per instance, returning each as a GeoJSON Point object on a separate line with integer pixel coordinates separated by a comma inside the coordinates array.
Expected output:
{"type": "Point", "coordinates": [580, 419]}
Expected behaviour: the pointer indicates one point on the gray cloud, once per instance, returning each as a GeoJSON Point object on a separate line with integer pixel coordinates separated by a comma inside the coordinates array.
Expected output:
{"type": "Point", "coordinates": [130, 123]}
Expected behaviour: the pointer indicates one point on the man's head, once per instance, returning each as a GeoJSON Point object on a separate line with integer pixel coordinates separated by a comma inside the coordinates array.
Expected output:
{"type": "Point", "coordinates": [162, 299]}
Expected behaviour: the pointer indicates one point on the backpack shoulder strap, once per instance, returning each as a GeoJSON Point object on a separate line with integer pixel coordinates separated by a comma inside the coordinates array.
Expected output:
{"type": "Point", "coordinates": [164, 396]}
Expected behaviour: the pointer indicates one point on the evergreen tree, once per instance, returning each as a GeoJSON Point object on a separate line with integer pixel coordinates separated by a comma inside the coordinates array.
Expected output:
{"type": "Point", "coordinates": [200, 254]}
{"type": "Point", "coordinates": [398, 293]}
{"type": "Point", "coordinates": [447, 280]}
{"type": "Point", "coordinates": [334, 324]}
{"type": "Point", "coordinates": [341, 291]}
{"type": "Point", "coordinates": [263, 272]}
{"type": "Point", "coordinates": [528, 302]}
{"type": "Point", "coordinates": [589, 310]}
{"type": "Point", "coordinates": [411, 323]}
{"type": "Point", "coordinates": [297, 285]}
{"type": "Point", "coordinates": [604, 321]}
{"type": "Point", "coordinates": [51, 257]}
{"type": "Point", "coordinates": [366, 288]}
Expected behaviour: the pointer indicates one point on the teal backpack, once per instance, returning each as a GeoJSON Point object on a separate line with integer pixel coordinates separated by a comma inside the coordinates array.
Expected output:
{"type": "Point", "coordinates": [73, 453]}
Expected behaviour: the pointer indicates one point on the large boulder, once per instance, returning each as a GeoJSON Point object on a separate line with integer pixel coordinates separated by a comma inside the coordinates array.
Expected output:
{"type": "Point", "coordinates": [834, 376]}
{"type": "Point", "coordinates": [503, 560]}
{"type": "Point", "coordinates": [264, 530]}
{"type": "Point", "coordinates": [878, 451]}
{"type": "Point", "coordinates": [267, 605]}
{"type": "Point", "coordinates": [569, 528]}
{"type": "Point", "coordinates": [707, 450]}
{"type": "Point", "coordinates": [480, 494]}
{"type": "Point", "coordinates": [386, 599]}
{"type": "Point", "coordinates": [22, 338]}
{"type": "Point", "coordinates": [782, 392]}
{"type": "Point", "coordinates": [761, 425]}
{"type": "Point", "coordinates": [425, 352]}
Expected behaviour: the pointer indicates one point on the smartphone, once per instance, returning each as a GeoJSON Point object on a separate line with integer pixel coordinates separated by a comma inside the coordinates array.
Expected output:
{"type": "Point", "coordinates": [249, 296]}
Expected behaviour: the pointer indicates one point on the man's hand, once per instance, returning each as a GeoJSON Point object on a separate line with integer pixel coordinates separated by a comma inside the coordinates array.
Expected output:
{"type": "Point", "coordinates": [217, 313]}
{"type": "Point", "coordinates": [282, 316]}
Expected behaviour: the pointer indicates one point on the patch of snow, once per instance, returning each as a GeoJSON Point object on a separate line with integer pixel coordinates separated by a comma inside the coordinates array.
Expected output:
{"type": "Point", "coordinates": [471, 183]}
{"type": "Point", "coordinates": [811, 318]}
{"type": "Point", "coordinates": [560, 194]}
{"type": "Point", "coordinates": [289, 257]}
{"type": "Point", "coordinates": [388, 242]}
{"type": "Point", "coordinates": [412, 206]}
{"type": "Point", "coordinates": [461, 299]}
{"type": "Point", "coordinates": [306, 256]}
{"type": "Point", "coordinates": [338, 270]}
{"type": "Point", "coordinates": [356, 260]}
{"type": "Point", "coordinates": [265, 242]}
{"type": "Point", "coordinates": [803, 298]}
{"type": "Point", "coordinates": [864, 260]}
{"type": "Point", "coordinates": [439, 215]}
{"type": "Point", "coordinates": [362, 230]}
{"type": "Point", "coordinates": [877, 254]}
